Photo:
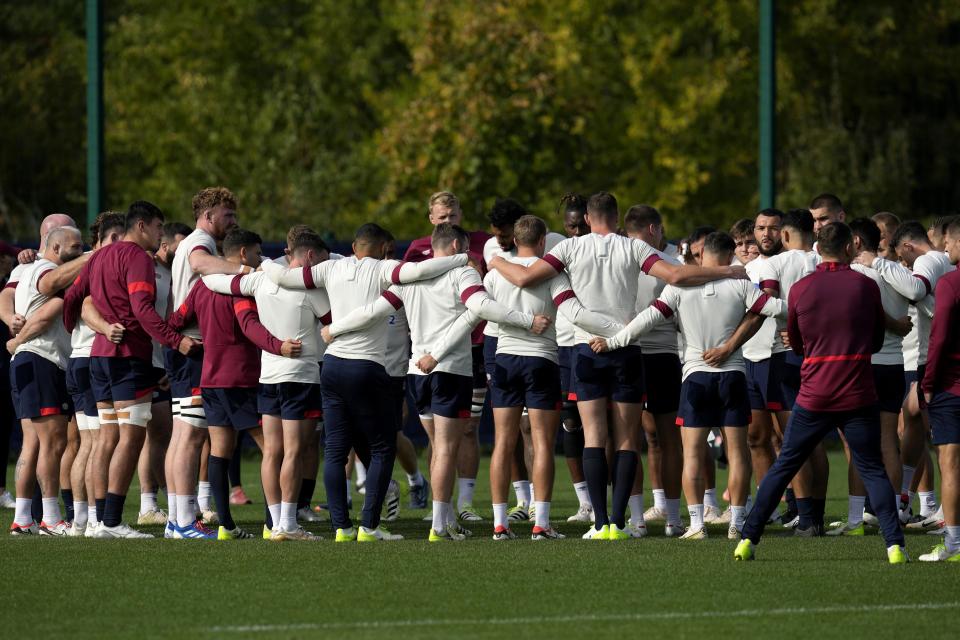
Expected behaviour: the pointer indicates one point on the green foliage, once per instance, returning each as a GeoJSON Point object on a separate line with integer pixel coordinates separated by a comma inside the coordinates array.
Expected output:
{"type": "Point", "coordinates": [334, 113]}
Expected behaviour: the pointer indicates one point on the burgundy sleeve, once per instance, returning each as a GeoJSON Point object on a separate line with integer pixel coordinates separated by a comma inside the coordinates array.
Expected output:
{"type": "Point", "coordinates": [186, 312]}
{"type": "Point", "coordinates": [249, 321]}
{"type": "Point", "coordinates": [944, 316]}
{"type": "Point", "coordinates": [9, 250]}
{"type": "Point", "coordinates": [415, 251]}
{"type": "Point", "coordinates": [141, 287]}
{"type": "Point", "coordinates": [73, 300]}
{"type": "Point", "coordinates": [793, 324]}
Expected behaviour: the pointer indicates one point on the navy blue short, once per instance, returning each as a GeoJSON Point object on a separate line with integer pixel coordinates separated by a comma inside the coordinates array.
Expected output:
{"type": "Point", "coordinates": [617, 375]}
{"type": "Point", "coordinates": [397, 392]}
{"type": "Point", "coordinates": [479, 374]}
{"type": "Point", "coordinates": [290, 400]}
{"type": "Point", "coordinates": [184, 373]}
{"type": "Point", "coordinates": [525, 381]}
{"type": "Point", "coordinates": [235, 407]}
{"type": "Point", "coordinates": [78, 385]}
{"type": "Point", "coordinates": [891, 388]}
{"type": "Point", "coordinates": [160, 395]}
{"type": "Point", "coordinates": [944, 411]}
{"type": "Point", "coordinates": [714, 399]}
{"type": "Point", "coordinates": [38, 387]}
{"type": "Point", "coordinates": [785, 375]}
{"type": "Point", "coordinates": [490, 355]}
{"type": "Point", "coordinates": [442, 394]}
{"type": "Point", "coordinates": [662, 373]}
{"type": "Point", "coordinates": [566, 356]}
{"type": "Point", "coordinates": [762, 388]}
{"type": "Point", "coordinates": [118, 379]}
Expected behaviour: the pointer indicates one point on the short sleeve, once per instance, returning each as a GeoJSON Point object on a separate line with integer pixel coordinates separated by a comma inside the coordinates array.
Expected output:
{"type": "Point", "coordinates": [769, 275]}
{"type": "Point", "coordinates": [644, 254]}
{"type": "Point", "coordinates": [559, 257]}
{"type": "Point", "coordinates": [468, 283]}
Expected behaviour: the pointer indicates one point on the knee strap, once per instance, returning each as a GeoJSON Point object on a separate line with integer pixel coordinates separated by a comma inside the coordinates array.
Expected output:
{"type": "Point", "coordinates": [570, 417]}
{"type": "Point", "coordinates": [191, 412]}
{"type": "Point", "coordinates": [476, 402]}
{"type": "Point", "coordinates": [107, 416]}
{"type": "Point", "coordinates": [136, 414]}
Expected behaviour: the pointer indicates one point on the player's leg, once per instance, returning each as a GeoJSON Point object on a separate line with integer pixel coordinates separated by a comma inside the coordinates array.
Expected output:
{"type": "Point", "coordinates": [25, 480]}
{"type": "Point", "coordinates": [468, 456]}
{"type": "Point", "coordinates": [506, 423]}
{"type": "Point", "coordinates": [626, 465]}
{"type": "Point", "coordinates": [132, 418]}
{"type": "Point", "coordinates": [447, 437]}
{"type": "Point", "coordinates": [151, 466]}
{"type": "Point", "coordinates": [654, 454]}
{"type": "Point", "coordinates": [738, 455]}
{"type": "Point", "coordinates": [271, 465]}
{"type": "Point", "coordinates": [694, 440]}
{"type": "Point", "coordinates": [543, 427]}
{"type": "Point", "coordinates": [52, 436]}
{"type": "Point", "coordinates": [944, 410]}
{"type": "Point", "coordinates": [102, 453]}
{"type": "Point", "coordinates": [337, 396]}
{"type": "Point", "coordinates": [593, 416]}
{"type": "Point", "coordinates": [77, 479]}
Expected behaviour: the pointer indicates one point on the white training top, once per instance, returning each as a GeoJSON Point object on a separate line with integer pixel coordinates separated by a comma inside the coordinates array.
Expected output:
{"type": "Point", "coordinates": [81, 339]}
{"type": "Point", "coordinates": [161, 305]}
{"type": "Point", "coordinates": [288, 314]}
{"type": "Point", "coordinates": [911, 343]}
{"type": "Point", "coordinates": [604, 271]}
{"type": "Point", "coordinates": [54, 343]}
{"type": "Point", "coordinates": [663, 337]}
{"type": "Point", "coordinates": [398, 344]}
{"type": "Point", "coordinates": [353, 283]}
{"type": "Point", "coordinates": [760, 346]}
{"type": "Point", "coordinates": [708, 315]}
{"type": "Point", "coordinates": [545, 299]}
{"type": "Point", "coordinates": [895, 306]}
{"type": "Point", "coordinates": [781, 272]}
{"type": "Point", "coordinates": [183, 277]}
{"type": "Point", "coordinates": [492, 249]}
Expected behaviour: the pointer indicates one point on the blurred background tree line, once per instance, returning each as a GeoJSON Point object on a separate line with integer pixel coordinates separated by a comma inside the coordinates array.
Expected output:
{"type": "Point", "coordinates": [338, 112]}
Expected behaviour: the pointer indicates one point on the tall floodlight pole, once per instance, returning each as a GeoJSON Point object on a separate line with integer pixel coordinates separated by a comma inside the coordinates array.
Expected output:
{"type": "Point", "coordinates": [768, 98]}
{"type": "Point", "coordinates": [94, 109]}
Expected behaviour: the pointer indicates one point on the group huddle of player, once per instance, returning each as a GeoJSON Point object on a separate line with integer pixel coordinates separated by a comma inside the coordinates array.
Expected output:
{"type": "Point", "coordinates": [155, 349]}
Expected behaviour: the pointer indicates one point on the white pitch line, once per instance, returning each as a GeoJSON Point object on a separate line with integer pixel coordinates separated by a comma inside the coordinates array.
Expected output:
{"type": "Point", "coordinates": [589, 617]}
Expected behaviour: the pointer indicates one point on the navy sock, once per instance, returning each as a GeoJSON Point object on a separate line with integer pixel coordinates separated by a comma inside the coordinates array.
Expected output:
{"type": "Point", "coordinates": [235, 480]}
{"type": "Point", "coordinates": [573, 443]}
{"type": "Point", "coordinates": [267, 518]}
{"type": "Point", "coordinates": [217, 470]}
{"type": "Point", "coordinates": [113, 509]}
{"type": "Point", "coordinates": [791, 500]}
{"type": "Point", "coordinates": [625, 472]}
{"type": "Point", "coordinates": [818, 506]}
{"type": "Point", "coordinates": [596, 473]}
{"type": "Point", "coordinates": [101, 508]}
{"type": "Point", "coordinates": [307, 487]}
{"type": "Point", "coordinates": [36, 509]}
{"type": "Point", "coordinates": [67, 495]}
{"type": "Point", "coordinates": [867, 506]}
{"type": "Point", "coordinates": [805, 510]}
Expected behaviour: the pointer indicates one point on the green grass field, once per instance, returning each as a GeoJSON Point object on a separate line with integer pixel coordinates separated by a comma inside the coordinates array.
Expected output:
{"type": "Point", "coordinates": [477, 589]}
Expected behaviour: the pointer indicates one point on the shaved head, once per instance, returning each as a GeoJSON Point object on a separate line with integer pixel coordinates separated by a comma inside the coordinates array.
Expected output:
{"type": "Point", "coordinates": [54, 221]}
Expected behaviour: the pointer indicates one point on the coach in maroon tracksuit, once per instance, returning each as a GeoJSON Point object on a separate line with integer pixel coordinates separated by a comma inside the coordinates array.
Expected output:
{"type": "Point", "coordinates": [835, 321]}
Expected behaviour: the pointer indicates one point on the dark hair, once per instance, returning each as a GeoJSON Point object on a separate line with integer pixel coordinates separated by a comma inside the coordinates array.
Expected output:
{"type": "Point", "coordinates": [887, 218]}
{"type": "Point", "coordinates": [445, 233]}
{"type": "Point", "coordinates": [719, 243]}
{"type": "Point", "coordinates": [941, 223]}
{"type": "Point", "coordinates": [604, 205]}
{"type": "Point", "coordinates": [953, 227]}
{"type": "Point", "coordinates": [141, 210]}
{"type": "Point", "coordinates": [799, 220]}
{"type": "Point", "coordinates": [106, 222]}
{"type": "Point", "coordinates": [833, 238]}
{"type": "Point", "coordinates": [528, 230]}
{"type": "Point", "coordinates": [699, 233]}
{"type": "Point", "coordinates": [868, 232]}
{"type": "Point", "coordinates": [173, 229]}
{"type": "Point", "coordinates": [910, 230]}
{"type": "Point", "coordinates": [306, 240]}
{"type": "Point", "coordinates": [505, 212]}
{"type": "Point", "coordinates": [371, 234]}
{"type": "Point", "coordinates": [770, 212]}
{"type": "Point", "coordinates": [572, 202]}
{"type": "Point", "coordinates": [237, 239]}
{"type": "Point", "coordinates": [742, 228]}
{"type": "Point", "coordinates": [640, 216]}
{"type": "Point", "coordinates": [827, 200]}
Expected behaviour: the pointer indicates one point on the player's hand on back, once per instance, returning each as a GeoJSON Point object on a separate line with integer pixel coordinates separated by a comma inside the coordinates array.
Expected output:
{"type": "Point", "coordinates": [17, 324]}
{"type": "Point", "coordinates": [27, 256]}
{"type": "Point", "coordinates": [900, 326]}
{"type": "Point", "coordinates": [427, 363]}
{"type": "Point", "coordinates": [291, 348]}
{"type": "Point", "coordinates": [540, 324]}
{"type": "Point", "coordinates": [188, 345]}
{"type": "Point", "coordinates": [866, 258]}
{"type": "Point", "coordinates": [717, 356]}
{"type": "Point", "coordinates": [785, 338]}
{"type": "Point", "coordinates": [115, 335]}
{"type": "Point", "coordinates": [325, 334]}
{"type": "Point", "coordinates": [12, 345]}
{"type": "Point", "coordinates": [599, 345]}
{"type": "Point", "coordinates": [737, 272]}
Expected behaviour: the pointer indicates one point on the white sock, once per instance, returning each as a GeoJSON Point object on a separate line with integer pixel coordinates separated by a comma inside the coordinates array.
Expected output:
{"type": "Point", "coordinates": [439, 516]}
{"type": "Point", "coordinates": [415, 479]}
{"type": "Point", "coordinates": [738, 515]}
{"type": "Point", "coordinates": [542, 517]}
{"type": "Point", "coordinates": [24, 515]}
{"type": "Point", "coordinates": [635, 502]}
{"type": "Point", "coordinates": [80, 513]}
{"type": "Point", "coordinates": [172, 508]}
{"type": "Point", "coordinates": [855, 506]}
{"type": "Point", "coordinates": [522, 489]}
{"type": "Point", "coordinates": [928, 503]}
{"type": "Point", "coordinates": [952, 539]}
{"type": "Point", "coordinates": [186, 510]}
{"type": "Point", "coordinates": [659, 499]}
{"type": "Point", "coordinates": [204, 493]}
{"type": "Point", "coordinates": [583, 494]}
{"type": "Point", "coordinates": [92, 513]}
{"type": "Point", "coordinates": [465, 493]}
{"type": "Point", "coordinates": [288, 516]}
{"type": "Point", "coordinates": [696, 516]}
{"type": "Point", "coordinates": [148, 502]}
{"type": "Point", "coordinates": [673, 511]}
{"type": "Point", "coordinates": [500, 515]}
{"type": "Point", "coordinates": [907, 480]}
{"type": "Point", "coordinates": [274, 514]}
{"type": "Point", "coordinates": [449, 516]}
{"type": "Point", "coordinates": [710, 498]}
{"type": "Point", "coordinates": [533, 493]}
{"type": "Point", "coordinates": [361, 473]}
{"type": "Point", "coordinates": [51, 510]}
